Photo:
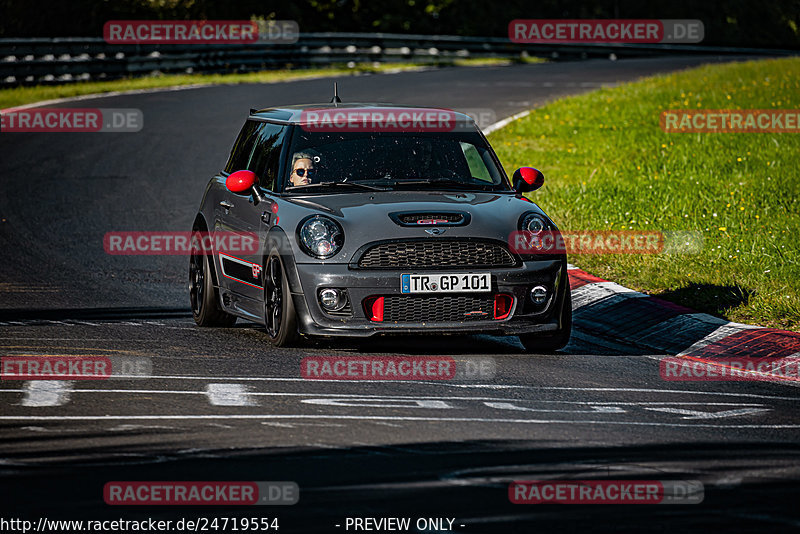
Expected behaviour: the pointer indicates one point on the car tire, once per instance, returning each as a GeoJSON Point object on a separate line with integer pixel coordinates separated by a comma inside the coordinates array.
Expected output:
{"type": "Point", "coordinates": [280, 318]}
{"type": "Point", "coordinates": [537, 343]}
{"type": "Point", "coordinates": [203, 296]}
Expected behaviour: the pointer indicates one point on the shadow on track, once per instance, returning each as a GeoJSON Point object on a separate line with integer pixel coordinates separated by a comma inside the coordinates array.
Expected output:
{"type": "Point", "coordinates": [748, 486]}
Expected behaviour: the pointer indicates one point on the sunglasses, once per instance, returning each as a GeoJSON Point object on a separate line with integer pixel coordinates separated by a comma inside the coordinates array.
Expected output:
{"type": "Point", "coordinates": [302, 172]}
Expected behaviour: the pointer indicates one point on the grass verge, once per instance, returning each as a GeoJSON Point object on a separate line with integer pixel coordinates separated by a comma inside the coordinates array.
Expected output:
{"type": "Point", "coordinates": [496, 61]}
{"type": "Point", "coordinates": [18, 96]}
{"type": "Point", "coordinates": [26, 95]}
{"type": "Point", "coordinates": [609, 166]}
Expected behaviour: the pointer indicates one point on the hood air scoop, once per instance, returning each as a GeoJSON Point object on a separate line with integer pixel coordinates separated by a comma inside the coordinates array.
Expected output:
{"type": "Point", "coordinates": [430, 218]}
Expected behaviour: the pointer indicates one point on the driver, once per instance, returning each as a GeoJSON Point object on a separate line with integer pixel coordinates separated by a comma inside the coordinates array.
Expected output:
{"type": "Point", "coordinates": [303, 170]}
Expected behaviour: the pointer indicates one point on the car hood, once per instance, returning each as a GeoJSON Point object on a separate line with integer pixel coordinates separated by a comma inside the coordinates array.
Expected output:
{"type": "Point", "coordinates": [365, 217]}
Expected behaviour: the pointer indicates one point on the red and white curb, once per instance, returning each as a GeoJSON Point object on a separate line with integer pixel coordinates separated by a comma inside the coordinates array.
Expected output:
{"type": "Point", "coordinates": [611, 310]}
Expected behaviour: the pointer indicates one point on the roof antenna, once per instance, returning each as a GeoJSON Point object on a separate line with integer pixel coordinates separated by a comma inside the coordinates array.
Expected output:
{"type": "Point", "coordinates": [336, 100]}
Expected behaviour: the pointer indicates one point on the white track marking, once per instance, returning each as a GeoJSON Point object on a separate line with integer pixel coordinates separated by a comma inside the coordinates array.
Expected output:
{"type": "Point", "coordinates": [593, 409]}
{"type": "Point", "coordinates": [39, 393]}
{"type": "Point", "coordinates": [444, 383]}
{"type": "Point", "coordinates": [377, 403]}
{"type": "Point", "coordinates": [296, 424]}
{"type": "Point", "coordinates": [754, 376]}
{"type": "Point", "coordinates": [628, 390]}
{"type": "Point", "coordinates": [78, 322]}
{"type": "Point", "coordinates": [268, 417]}
{"type": "Point", "coordinates": [693, 414]}
{"type": "Point", "coordinates": [229, 395]}
{"type": "Point", "coordinates": [762, 379]}
{"type": "Point", "coordinates": [499, 124]}
{"type": "Point", "coordinates": [126, 428]}
{"type": "Point", "coordinates": [348, 396]}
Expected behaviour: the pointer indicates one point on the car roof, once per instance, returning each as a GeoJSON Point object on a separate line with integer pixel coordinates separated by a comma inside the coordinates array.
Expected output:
{"type": "Point", "coordinates": [293, 114]}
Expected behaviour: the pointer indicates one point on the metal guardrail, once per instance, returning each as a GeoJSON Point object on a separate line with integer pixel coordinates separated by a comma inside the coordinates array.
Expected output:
{"type": "Point", "coordinates": [64, 60]}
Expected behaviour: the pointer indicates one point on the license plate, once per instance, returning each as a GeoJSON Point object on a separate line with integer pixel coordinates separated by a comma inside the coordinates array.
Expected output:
{"type": "Point", "coordinates": [446, 283]}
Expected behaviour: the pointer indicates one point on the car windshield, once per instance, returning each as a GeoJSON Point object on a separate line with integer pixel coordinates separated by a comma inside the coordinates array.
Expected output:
{"type": "Point", "coordinates": [335, 162]}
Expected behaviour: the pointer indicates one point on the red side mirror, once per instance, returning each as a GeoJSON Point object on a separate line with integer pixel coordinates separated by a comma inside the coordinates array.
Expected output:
{"type": "Point", "coordinates": [241, 181]}
{"type": "Point", "coordinates": [527, 179]}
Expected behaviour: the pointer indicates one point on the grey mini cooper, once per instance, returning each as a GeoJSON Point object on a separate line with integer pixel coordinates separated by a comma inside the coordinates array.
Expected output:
{"type": "Point", "coordinates": [376, 219]}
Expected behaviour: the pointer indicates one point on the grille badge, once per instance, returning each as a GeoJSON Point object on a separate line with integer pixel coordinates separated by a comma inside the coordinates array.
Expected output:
{"type": "Point", "coordinates": [435, 231]}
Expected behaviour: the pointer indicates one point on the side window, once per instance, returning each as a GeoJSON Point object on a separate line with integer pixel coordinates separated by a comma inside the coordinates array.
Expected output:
{"type": "Point", "coordinates": [477, 168]}
{"type": "Point", "coordinates": [240, 153]}
{"type": "Point", "coordinates": [267, 154]}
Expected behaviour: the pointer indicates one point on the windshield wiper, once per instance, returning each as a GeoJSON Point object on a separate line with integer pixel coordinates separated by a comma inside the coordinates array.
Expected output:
{"type": "Point", "coordinates": [329, 185]}
{"type": "Point", "coordinates": [437, 181]}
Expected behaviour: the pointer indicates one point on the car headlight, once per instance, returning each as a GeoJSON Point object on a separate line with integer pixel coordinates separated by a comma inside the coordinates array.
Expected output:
{"type": "Point", "coordinates": [320, 236]}
{"type": "Point", "coordinates": [537, 236]}
{"type": "Point", "coordinates": [534, 223]}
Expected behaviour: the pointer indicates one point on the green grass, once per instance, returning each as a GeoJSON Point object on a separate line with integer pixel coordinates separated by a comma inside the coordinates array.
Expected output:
{"type": "Point", "coordinates": [608, 165]}
{"type": "Point", "coordinates": [496, 61]}
{"type": "Point", "coordinates": [26, 95]}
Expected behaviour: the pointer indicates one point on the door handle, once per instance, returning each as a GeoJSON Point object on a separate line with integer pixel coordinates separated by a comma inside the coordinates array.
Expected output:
{"type": "Point", "coordinates": [225, 204]}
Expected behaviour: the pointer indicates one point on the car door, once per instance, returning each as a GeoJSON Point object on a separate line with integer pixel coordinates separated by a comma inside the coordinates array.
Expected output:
{"type": "Point", "coordinates": [245, 213]}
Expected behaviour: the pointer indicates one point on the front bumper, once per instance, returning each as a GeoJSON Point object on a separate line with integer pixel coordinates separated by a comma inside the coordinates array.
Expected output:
{"type": "Point", "coordinates": [524, 318]}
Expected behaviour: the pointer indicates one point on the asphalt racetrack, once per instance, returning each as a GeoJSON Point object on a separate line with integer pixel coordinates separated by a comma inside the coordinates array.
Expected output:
{"type": "Point", "coordinates": [221, 404]}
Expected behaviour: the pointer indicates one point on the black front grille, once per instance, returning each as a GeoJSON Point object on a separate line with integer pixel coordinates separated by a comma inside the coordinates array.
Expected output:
{"type": "Point", "coordinates": [428, 218]}
{"type": "Point", "coordinates": [347, 311]}
{"type": "Point", "coordinates": [436, 253]}
{"type": "Point", "coordinates": [439, 309]}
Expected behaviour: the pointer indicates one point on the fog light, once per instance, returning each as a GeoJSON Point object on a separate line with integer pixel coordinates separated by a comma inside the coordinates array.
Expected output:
{"type": "Point", "coordinates": [502, 306]}
{"type": "Point", "coordinates": [539, 294]}
{"type": "Point", "coordinates": [332, 299]}
{"type": "Point", "coordinates": [373, 307]}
